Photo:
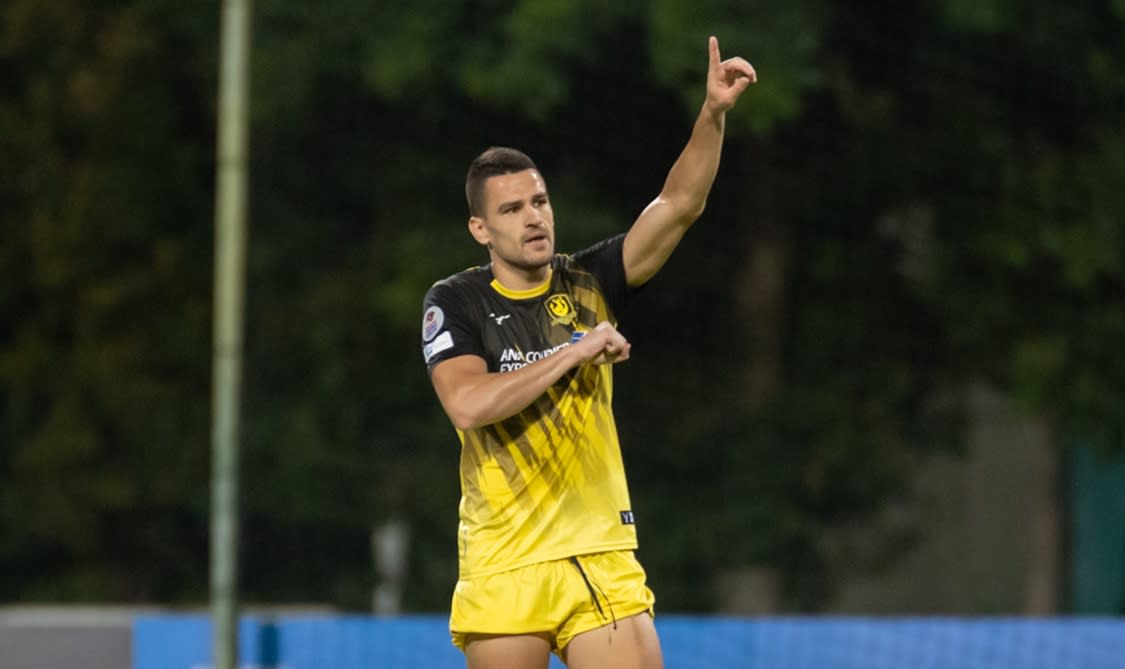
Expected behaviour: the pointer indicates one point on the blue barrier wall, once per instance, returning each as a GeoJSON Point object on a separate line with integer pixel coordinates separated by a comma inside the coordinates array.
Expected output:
{"type": "Point", "coordinates": [329, 642]}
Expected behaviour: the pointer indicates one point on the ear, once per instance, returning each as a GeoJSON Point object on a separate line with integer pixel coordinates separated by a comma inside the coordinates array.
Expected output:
{"type": "Point", "coordinates": [478, 231]}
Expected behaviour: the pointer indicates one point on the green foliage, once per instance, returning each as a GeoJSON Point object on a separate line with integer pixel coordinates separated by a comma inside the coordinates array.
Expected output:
{"type": "Point", "coordinates": [781, 41]}
{"type": "Point", "coordinates": [511, 59]}
{"type": "Point", "coordinates": [984, 16]}
{"type": "Point", "coordinates": [102, 410]}
{"type": "Point", "coordinates": [527, 65]}
{"type": "Point", "coordinates": [1029, 285]}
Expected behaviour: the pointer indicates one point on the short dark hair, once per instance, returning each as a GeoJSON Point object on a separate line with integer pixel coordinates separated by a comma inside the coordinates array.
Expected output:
{"type": "Point", "coordinates": [492, 162]}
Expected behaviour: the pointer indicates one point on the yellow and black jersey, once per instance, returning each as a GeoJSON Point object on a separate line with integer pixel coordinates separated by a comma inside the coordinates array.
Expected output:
{"type": "Point", "coordinates": [548, 482]}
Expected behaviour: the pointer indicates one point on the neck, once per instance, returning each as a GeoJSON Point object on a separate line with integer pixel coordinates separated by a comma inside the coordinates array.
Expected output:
{"type": "Point", "coordinates": [519, 278]}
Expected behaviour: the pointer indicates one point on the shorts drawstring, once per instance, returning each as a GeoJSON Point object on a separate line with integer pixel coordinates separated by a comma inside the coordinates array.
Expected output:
{"type": "Point", "coordinates": [594, 595]}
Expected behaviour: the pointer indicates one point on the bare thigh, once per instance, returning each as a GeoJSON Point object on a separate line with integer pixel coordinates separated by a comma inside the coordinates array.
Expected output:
{"type": "Point", "coordinates": [633, 645]}
{"type": "Point", "coordinates": [507, 651]}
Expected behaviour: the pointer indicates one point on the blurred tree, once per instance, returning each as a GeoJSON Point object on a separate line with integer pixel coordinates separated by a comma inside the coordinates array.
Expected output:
{"type": "Point", "coordinates": [1032, 294]}
{"type": "Point", "coordinates": [105, 262]}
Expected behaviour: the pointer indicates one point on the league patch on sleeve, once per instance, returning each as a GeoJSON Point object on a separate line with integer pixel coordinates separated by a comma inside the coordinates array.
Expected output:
{"type": "Point", "coordinates": [443, 341]}
{"type": "Point", "coordinates": [432, 321]}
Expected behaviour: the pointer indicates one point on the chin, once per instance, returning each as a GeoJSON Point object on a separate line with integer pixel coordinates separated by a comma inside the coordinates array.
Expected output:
{"type": "Point", "coordinates": [534, 264]}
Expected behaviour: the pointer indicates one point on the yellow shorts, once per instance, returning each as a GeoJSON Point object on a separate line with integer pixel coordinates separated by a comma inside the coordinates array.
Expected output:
{"type": "Point", "coordinates": [560, 598]}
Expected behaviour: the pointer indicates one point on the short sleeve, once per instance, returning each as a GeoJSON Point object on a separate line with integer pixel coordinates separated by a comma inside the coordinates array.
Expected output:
{"type": "Point", "coordinates": [605, 260]}
{"type": "Point", "coordinates": [448, 329]}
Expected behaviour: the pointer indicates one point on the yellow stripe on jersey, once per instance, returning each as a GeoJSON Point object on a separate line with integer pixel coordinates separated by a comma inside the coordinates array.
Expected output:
{"type": "Point", "coordinates": [532, 493]}
{"type": "Point", "coordinates": [547, 454]}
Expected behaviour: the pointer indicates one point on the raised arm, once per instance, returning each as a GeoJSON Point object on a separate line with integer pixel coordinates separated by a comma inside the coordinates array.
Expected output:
{"type": "Point", "coordinates": [659, 228]}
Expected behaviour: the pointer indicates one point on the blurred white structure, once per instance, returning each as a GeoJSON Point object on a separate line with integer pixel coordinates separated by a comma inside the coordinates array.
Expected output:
{"type": "Point", "coordinates": [390, 546]}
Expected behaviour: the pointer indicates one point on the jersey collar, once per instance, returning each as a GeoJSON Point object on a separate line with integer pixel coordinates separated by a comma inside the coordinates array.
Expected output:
{"type": "Point", "coordinates": [525, 294]}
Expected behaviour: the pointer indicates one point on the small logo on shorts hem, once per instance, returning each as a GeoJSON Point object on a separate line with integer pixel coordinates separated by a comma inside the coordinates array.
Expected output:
{"type": "Point", "coordinates": [627, 518]}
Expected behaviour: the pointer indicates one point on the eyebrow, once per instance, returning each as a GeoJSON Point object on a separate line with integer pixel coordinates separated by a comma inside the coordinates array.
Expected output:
{"type": "Point", "coordinates": [504, 206]}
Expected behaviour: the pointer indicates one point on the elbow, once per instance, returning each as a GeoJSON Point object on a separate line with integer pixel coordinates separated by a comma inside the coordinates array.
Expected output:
{"type": "Point", "coordinates": [463, 423]}
{"type": "Point", "coordinates": [681, 207]}
{"type": "Point", "coordinates": [462, 420]}
{"type": "Point", "coordinates": [687, 209]}
{"type": "Point", "coordinates": [466, 418]}
{"type": "Point", "coordinates": [693, 211]}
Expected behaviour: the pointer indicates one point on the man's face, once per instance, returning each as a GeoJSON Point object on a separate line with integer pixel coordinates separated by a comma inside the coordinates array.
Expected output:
{"type": "Point", "coordinates": [518, 225]}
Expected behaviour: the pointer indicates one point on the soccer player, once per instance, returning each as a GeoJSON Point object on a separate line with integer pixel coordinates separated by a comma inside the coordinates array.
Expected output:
{"type": "Point", "coordinates": [520, 354]}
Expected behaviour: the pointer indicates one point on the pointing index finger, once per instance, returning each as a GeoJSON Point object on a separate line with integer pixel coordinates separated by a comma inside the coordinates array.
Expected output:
{"type": "Point", "coordinates": [713, 48]}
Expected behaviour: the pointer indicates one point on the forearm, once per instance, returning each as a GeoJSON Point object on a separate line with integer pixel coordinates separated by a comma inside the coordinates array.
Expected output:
{"type": "Point", "coordinates": [664, 221]}
{"type": "Point", "coordinates": [690, 178]}
{"type": "Point", "coordinates": [489, 397]}
{"type": "Point", "coordinates": [658, 229]}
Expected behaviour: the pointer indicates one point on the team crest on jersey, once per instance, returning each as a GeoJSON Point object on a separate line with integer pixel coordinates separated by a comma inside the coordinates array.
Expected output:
{"type": "Point", "coordinates": [561, 309]}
